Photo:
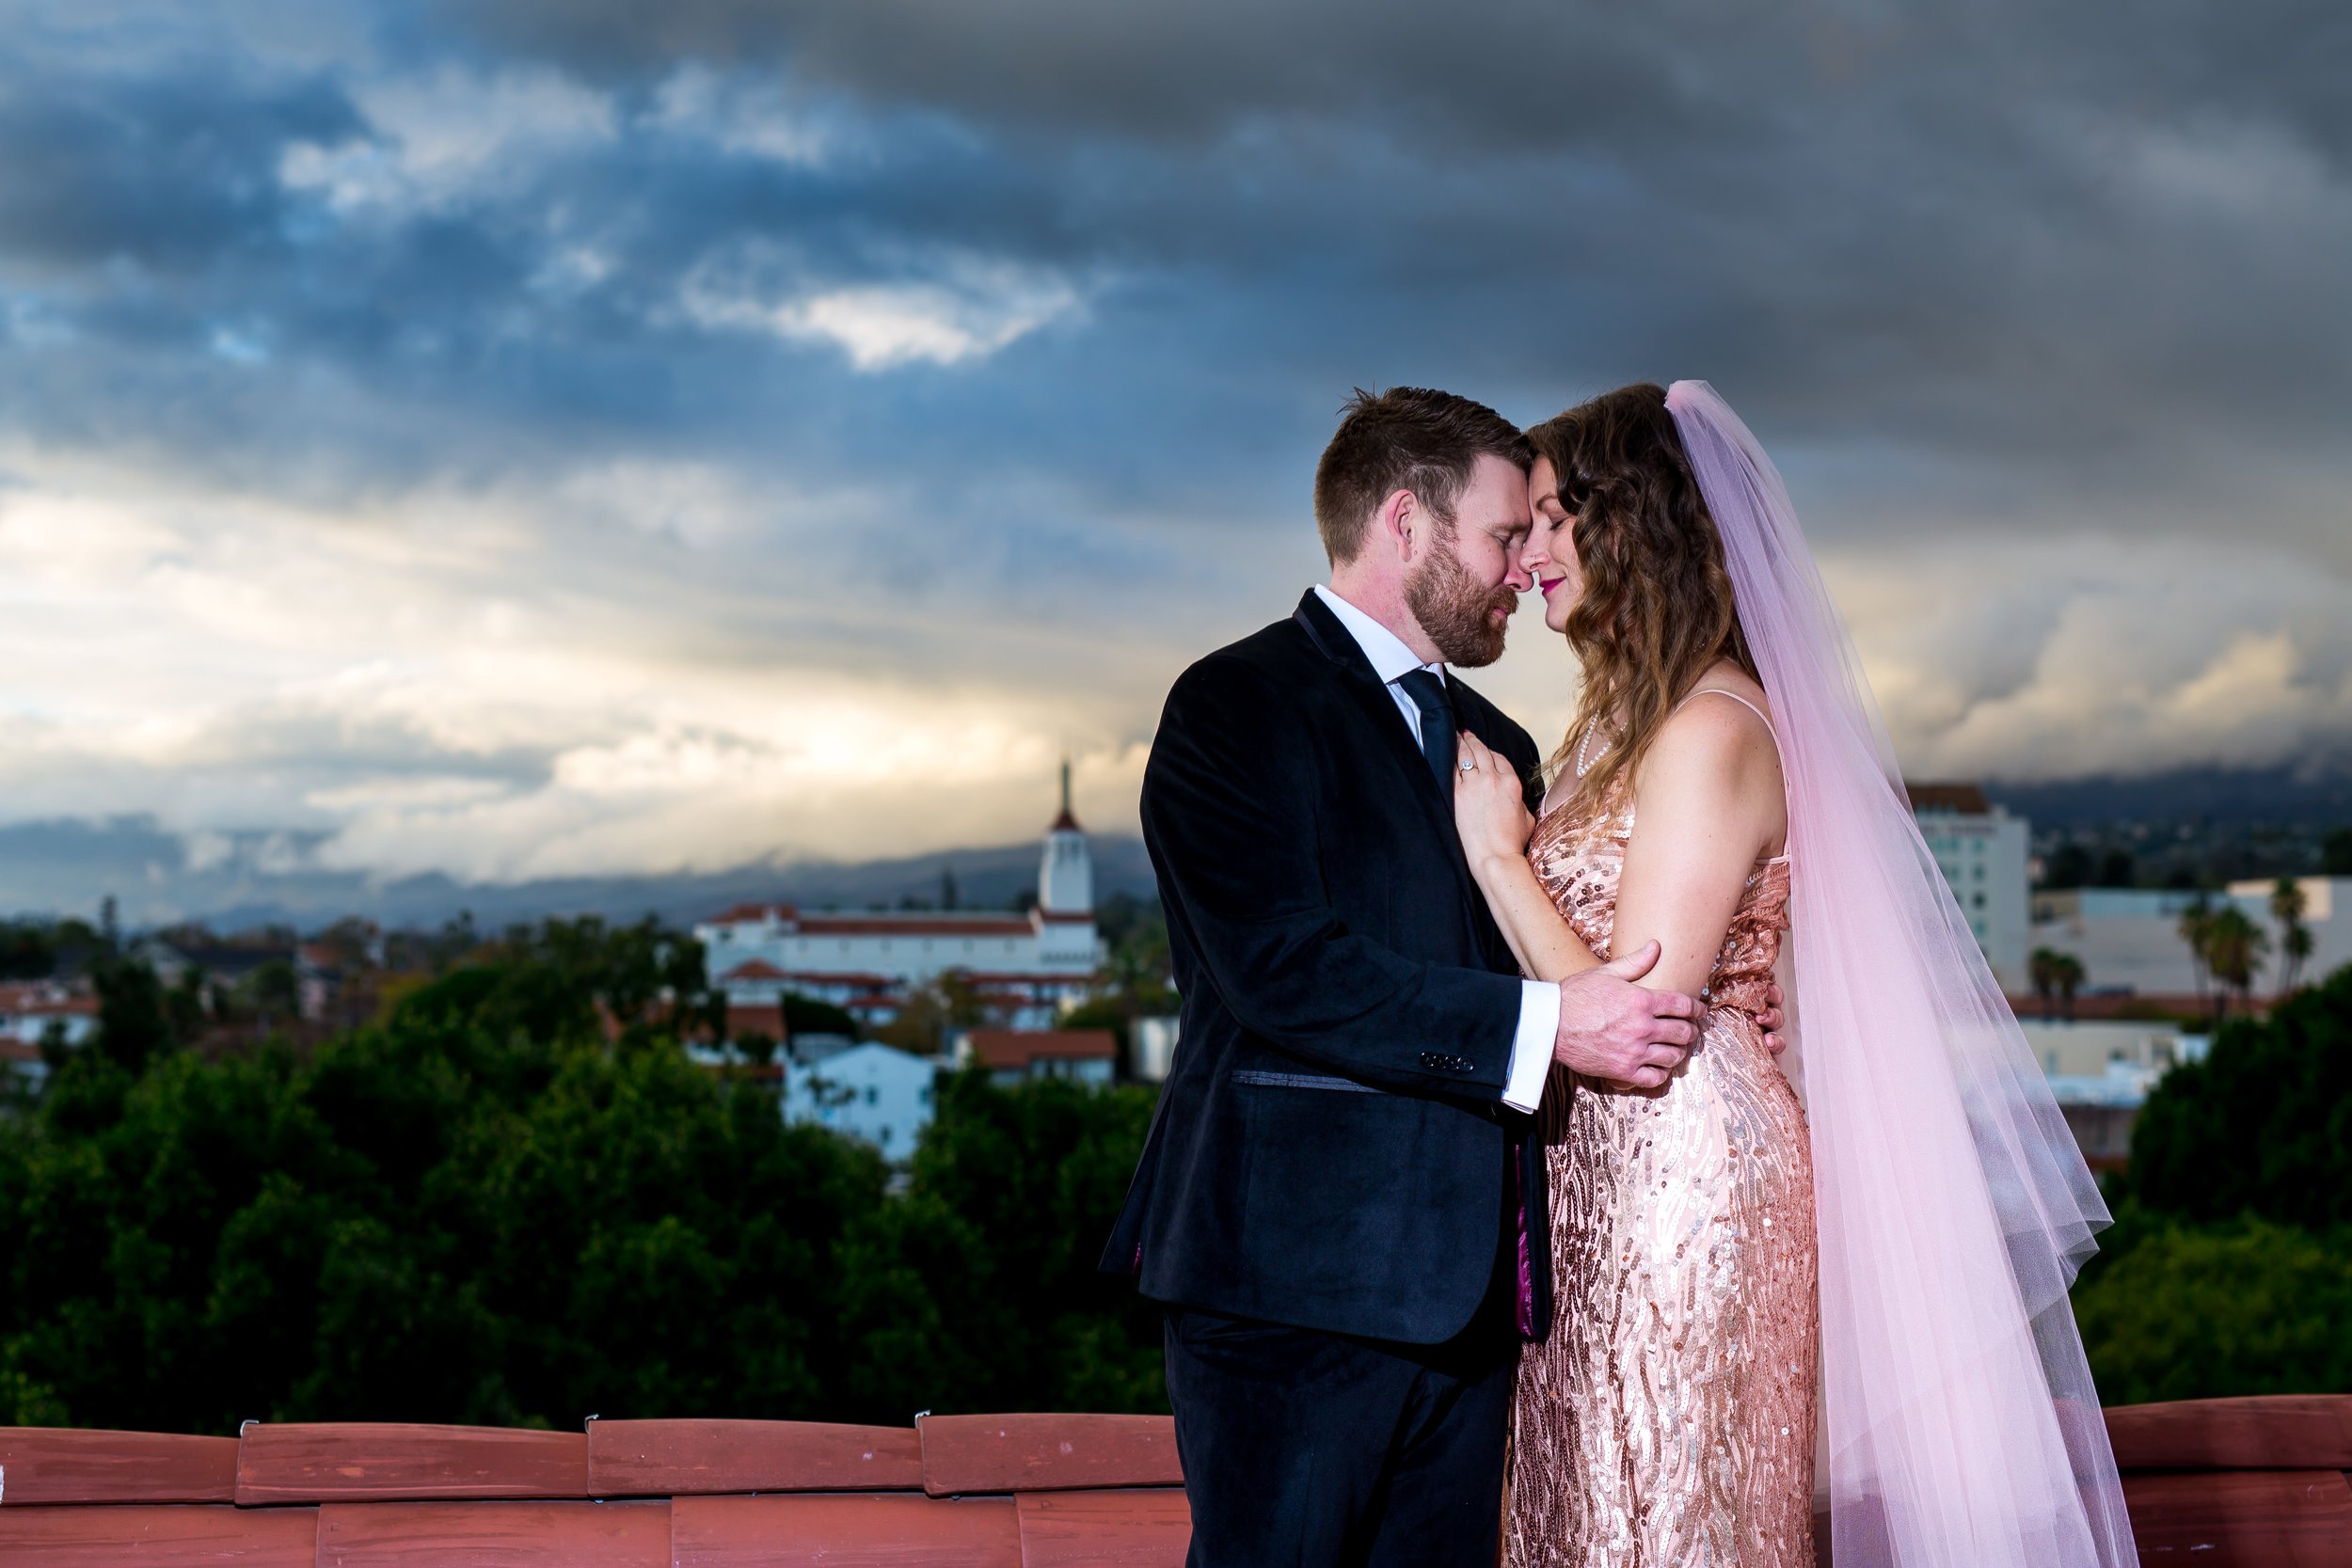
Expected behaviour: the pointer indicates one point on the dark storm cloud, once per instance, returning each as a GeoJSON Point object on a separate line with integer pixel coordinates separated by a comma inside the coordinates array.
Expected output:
{"type": "Point", "coordinates": [167, 172]}
{"type": "Point", "coordinates": [1511, 71]}
{"type": "Point", "coordinates": [2082, 247]}
{"type": "Point", "coordinates": [1952, 208]}
{"type": "Point", "coordinates": [985, 349]}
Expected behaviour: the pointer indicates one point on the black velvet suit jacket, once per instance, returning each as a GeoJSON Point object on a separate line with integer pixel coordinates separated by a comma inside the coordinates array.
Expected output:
{"type": "Point", "coordinates": [1330, 1150]}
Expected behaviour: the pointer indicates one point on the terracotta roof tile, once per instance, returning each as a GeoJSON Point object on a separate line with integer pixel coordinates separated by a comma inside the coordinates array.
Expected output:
{"type": "Point", "coordinates": [54, 1465]}
{"type": "Point", "coordinates": [680, 1458]}
{"type": "Point", "coordinates": [2288, 1517]}
{"type": "Point", "coordinates": [159, 1535]}
{"type": "Point", "coordinates": [506, 1534]}
{"type": "Point", "coordinates": [297, 1462]}
{"type": "Point", "coordinates": [1044, 1453]}
{"type": "Point", "coordinates": [1104, 1529]}
{"type": "Point", "coordinates": [1968, 799]}
{"type": "Point", "coordinates": [882, 923]}
{"type": "Point", "coordinates": [896, 1529]}
{"type": "Point", "coordinates": [742, 913]}
{"type": "Point", "coordinates": [1012, 1048]}
{"type": "Point", "coordinates": [2266, 1432]}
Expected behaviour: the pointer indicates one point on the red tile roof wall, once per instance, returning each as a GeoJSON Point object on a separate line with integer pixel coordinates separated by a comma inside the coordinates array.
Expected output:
{"type": "Point", "coordinates": [912, 925]}
{"type": "Point", "coordinates": [1966, 799]}
{"type": "Point", "coordinates": [1015, 1048]}
{"type": "Point", "coordinates": [2247, 1480]}
{"type": "Point", "coordinates": [757, 968]}
{"type": "Point", "coordinates": [883, 923]}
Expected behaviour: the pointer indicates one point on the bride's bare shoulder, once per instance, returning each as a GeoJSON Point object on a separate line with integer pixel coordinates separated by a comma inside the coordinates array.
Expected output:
{"type": "Point", "coordinates": [1722, 728]}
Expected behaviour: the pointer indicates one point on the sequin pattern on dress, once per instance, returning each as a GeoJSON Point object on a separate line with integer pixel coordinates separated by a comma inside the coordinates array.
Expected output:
{"type": "Point", "coordinates": [1667, 1422]}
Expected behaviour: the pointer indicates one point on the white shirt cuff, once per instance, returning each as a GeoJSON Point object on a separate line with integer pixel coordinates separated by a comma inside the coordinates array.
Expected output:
{"type": "Point", "coordinates": [1531, 1048]}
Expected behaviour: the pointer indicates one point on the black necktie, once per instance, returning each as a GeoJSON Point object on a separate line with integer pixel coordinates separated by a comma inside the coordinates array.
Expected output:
{"type": "Point", "coordinates": [1436, 724]}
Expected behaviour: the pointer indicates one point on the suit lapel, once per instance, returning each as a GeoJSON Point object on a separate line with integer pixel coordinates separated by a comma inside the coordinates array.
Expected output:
{"type": "Point", "coordinates": [1371, 697]}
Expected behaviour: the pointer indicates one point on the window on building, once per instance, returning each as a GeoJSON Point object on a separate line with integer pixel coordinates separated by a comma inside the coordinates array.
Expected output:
{"type": "Point", "coordinates": [874, 1096]}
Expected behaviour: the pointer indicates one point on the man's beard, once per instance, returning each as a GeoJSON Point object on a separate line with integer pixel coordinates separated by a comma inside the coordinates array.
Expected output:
{"type": "Point", "coordinates": [1455, 611]}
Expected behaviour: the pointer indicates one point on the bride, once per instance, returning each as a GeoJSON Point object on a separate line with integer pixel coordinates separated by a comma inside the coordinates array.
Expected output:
{"type": "Point", "coordinates": [1875, 1244]}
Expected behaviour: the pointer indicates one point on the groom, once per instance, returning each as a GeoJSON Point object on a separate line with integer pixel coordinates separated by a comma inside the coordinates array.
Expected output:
{"type": "Point", "coordinates": [1340, 1201]}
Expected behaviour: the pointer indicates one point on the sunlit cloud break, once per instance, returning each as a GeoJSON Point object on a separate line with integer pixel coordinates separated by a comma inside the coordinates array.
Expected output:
{"type": "Point", "coordinates": [969, 312]}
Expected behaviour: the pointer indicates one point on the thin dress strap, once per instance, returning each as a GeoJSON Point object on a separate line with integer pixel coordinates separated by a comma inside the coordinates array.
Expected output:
{"type": "Point", "coordinates": [1719, 692]}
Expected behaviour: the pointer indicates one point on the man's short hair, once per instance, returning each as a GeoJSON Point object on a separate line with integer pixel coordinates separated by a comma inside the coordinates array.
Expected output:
{"type": "Point", "coordinates": [1406, 438]}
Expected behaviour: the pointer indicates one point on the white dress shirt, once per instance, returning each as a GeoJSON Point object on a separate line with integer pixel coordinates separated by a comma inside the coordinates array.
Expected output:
{"type": "Point", "coordinates": [1539, 999]}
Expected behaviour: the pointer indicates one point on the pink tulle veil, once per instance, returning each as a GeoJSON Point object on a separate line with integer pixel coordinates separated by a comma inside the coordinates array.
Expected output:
{"type": "Point", "coordinates": [1959, 1426]}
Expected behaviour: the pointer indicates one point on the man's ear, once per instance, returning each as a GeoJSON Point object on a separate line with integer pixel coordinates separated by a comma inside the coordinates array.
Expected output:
{"type": "Point", "coordinates": [1400, 526]}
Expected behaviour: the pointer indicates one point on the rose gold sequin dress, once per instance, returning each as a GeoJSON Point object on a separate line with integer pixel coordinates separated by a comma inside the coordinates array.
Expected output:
{"type": "Point", "coordinates": [1668, 1422]}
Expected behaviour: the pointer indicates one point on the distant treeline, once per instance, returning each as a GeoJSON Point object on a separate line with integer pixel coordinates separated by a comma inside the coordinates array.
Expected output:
{"type": "Point", "coordinates": [482, 1209]}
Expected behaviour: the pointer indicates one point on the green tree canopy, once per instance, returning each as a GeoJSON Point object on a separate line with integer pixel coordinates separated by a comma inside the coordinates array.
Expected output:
{"type": "Point", "coordinates": [513, 1200]}
{"type": "Point", "coordinates": [2262, 1125]}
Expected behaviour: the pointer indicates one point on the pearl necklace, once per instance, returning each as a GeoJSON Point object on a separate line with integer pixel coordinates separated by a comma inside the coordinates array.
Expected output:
{"type": "Point", "coordinates": [1581, 765]}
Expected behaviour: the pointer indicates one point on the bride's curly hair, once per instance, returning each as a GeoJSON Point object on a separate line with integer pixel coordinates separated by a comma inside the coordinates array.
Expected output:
{"type": "Point", "coordinates": [1657, 611]}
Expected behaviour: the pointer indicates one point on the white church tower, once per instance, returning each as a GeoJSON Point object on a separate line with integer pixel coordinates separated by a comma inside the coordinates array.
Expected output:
{"type": "Point", "coordinates": [1065, 888]}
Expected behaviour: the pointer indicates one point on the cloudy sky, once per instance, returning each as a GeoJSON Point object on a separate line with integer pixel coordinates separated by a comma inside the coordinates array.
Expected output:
{"type": "Point", "coordinates": [523, 438]}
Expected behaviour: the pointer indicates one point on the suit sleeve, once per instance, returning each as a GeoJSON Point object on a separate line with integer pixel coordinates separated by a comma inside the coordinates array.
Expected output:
{"type": "Point", "coordinates": [1229, 809]}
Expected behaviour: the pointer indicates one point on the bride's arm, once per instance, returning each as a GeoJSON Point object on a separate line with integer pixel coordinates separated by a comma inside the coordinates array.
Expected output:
{"type": "Point", "coordinates": [1708, 806]}
{"type": "Point", "coordinates": [1490, 814]}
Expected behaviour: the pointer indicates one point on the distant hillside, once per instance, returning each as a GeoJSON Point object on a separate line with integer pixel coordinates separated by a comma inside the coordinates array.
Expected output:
{"type": "Point", "coordinates": [66, 867]}
{"type": "Point", "coordinates": [2317, 799]}
{"type": "Point", "coordinates": [242, 879]}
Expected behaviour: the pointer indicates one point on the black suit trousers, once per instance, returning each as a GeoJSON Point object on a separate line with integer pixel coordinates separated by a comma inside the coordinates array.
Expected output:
{"type": "Point", "coordinates": [1313, 1449]}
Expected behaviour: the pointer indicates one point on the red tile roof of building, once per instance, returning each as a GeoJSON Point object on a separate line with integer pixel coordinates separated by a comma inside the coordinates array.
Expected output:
{"type": "Point", "coordinates": [1968, 799]}
{"type": "Point", "coordinates": [744, 914]}
{"type": "Point", "coordinates": [2247, 1480]}
{"type": "Point", "coordinates": [755, 969]}
{"type": "Point", "coordinates": [883, 923]}
{"type": "Point", "coordinates": [1015, 1048]}
{"type": "Point", "coordinates": [916, 923]}
{"type": "Point", "coordinates": [45, 998]}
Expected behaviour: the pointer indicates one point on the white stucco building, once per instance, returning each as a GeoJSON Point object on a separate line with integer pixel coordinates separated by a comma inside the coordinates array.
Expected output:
{"type": "Point", "coordinates": [1982, 852]}
{"type": "Point", "coordinates": [1028, 965]}
{"type": "Point", "coordinates": [29, 1010]}
{"type": "Point", "coordinates": [875, 1092]}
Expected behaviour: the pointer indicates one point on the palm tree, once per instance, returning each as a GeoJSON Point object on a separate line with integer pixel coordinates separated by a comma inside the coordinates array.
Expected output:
{"type": "Point", "coordinates": [2235, 946]}
{"type": "Point", "coordinates": [2295, 946]}
{"type": "Point", "coordinates": [2287, 906]}
{"type": "Point", "coordinates": [2195, 922]}
{"type": "Point", "coordinates": [2068, 976]}
{"type": "Point", "coordinates": [2044, 968]}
